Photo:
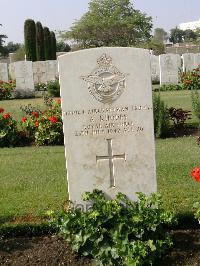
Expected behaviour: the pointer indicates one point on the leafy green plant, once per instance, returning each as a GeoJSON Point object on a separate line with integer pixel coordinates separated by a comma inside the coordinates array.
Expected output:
{"type": "Point", "coordinates": [118, 231]}
{"type": "Point", "coordinates": [161, 117]}
{"type": "Point", "coordinates": [53, 88]}
{"type": "Point", "coordinates": [8, 130]}
{"type": "Point", "coordinates": [6, 89]}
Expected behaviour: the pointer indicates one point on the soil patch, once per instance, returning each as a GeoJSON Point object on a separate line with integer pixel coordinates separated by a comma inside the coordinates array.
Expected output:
{"type": "Point", "coordinates": [54, 251]}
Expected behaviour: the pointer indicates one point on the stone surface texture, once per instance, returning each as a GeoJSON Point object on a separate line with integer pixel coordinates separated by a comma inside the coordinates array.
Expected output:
{"type": "Point", "coordinates": [108, 121]}
{"type": "Point", "coordinates": [155, 69]}
{"type": "Point", "coordinates": [4, 72]}
{"type": "Point", "coordinates": [188, 62]}
{"type": "Point", "coordinates": [170, 64]}
{"type": "Point", "coordinates": [24, 76]}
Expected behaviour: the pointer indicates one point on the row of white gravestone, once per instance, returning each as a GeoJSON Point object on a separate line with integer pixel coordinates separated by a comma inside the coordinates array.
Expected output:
{"type": "Point", "coordinates": [27, 74]}
{"type": "Point", "coordinates": [166, 67]}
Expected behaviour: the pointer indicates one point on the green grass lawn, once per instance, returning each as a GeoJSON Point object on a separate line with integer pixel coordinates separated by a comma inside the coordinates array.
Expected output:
{"type": "Point", "coordinates": [33, 179]}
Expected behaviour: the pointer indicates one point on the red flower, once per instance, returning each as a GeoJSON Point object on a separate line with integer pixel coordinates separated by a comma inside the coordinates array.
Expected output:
{"type": "Point", "coordinates": [53, 119]}
{"type": "Point", "coordinates": [1, 110]}
{"type": "Point", "coordinates": [24, 119]}
{"type": "Point", "coordinates": [37, 124]}
{"type": "Point", "coordinates": [58, 101]}
{"type": "Point", "coordinates": [36, 114]}
{"type": "Point", "coordinates": [6, 116]}
{"type": "Point", "coordinates": [196, 174]}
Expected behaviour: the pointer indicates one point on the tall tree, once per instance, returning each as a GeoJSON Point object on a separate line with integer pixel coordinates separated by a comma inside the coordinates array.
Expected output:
{"type": "Point", "coordinates": [53, 45]}
{"type": "Point", "coordinates": [30, 40]}
{"type": "Point", "coordinates": [63, 47]}
{"type": "Point", "coordinates": [190, 35]}
{"type": "Point", "coordinates": [176, 35]}
{"type": "Point", "coordinates": [47, 43]}
{"type": "Point", "coordinates": [39, 42]}
{"type": "Point", "coordinates": [160, 35]}
{"type": "Point", "coordinates": [2, 37]}
{"type": "Point", "coordinates": [110, 23]}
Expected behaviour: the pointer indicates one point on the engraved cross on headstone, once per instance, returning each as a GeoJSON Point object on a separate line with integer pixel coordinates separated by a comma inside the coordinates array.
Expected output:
{"type": "Point", "coordinates": [111, 157]}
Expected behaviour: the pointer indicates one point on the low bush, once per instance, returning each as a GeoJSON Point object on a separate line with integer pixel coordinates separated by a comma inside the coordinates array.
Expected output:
{"type": "Point", "coordinates": [118, 231]}
{"type": "Point", "coordinates": [161, 117]}
{"type": "Point", "coordinates": [169, 87]}
{"type": "Point", "coordinates": [8, 130]}
{"type": "Point", "coordinates": [179, 116]}
{"type": "Point", "coordinates": [196, 103]}
{"type": "Point", "coordinates": [6, 89]}
{"type": "Point", "coordinates": [53, 88]}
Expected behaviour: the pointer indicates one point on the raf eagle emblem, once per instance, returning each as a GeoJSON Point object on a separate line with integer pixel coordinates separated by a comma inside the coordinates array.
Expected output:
{"type": "Point", "coordinates": [106, 83]}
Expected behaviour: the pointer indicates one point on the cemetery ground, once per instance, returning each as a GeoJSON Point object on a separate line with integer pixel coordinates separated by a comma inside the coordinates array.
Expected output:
{"type": "Point", "coordinates": [34, 181]}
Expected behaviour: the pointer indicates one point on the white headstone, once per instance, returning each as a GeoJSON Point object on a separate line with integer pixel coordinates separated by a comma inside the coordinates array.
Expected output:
{"type": "Point", "coordinates": [51, 70]}
{"type": "Point", "coordinates": [24, 77]}
{"type": "Point", "coordinates": [108, 121]}
{"type": "Point", "coordinates": [4, 72]}
{"type": "Point", "coordinates": [188, 62]}
{"type": "Point", "coordinates": [170, 65]}
{"type": "Point", "coordinates": [155, 70]}
{"type": "Point", "coordinates": [196, 60]}
{"type": "Point", "coordinates": [39, 72]}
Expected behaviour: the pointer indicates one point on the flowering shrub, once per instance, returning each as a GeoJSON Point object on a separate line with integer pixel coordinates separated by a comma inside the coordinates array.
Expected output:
{"type": "Point", "coordinates": [8, 130]}
{"type": "Point", "coordinates": [44, 128]}
{"type": "Point", "coordinates": [6, 89]}
{"type": "Point", "coordinates": [191, 79]}
{"type": "Point", "coordinates": [195, 173]}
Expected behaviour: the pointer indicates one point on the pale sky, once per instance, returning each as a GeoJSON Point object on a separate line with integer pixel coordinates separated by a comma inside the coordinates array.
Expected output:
{"type": "Point", "coordinates": [60, 14]}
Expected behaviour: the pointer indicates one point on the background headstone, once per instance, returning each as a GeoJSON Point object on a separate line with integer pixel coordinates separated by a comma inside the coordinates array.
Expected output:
{"type": "Point", "coordinates": [108, 121]}
{"type": "Point", "coordinates": [188, 62]}
{"type": "Point", "coordinates": [24, 78]}
{"type": "Point", "coordinates": [39, 72]}
{"type": "Point", "coordinates": [155, 70]}
{"type": "Point", "coordinates": [11, 69]}
{"type": "Point", "coordinates": [4, 72]}
{"type": "Point", "coordinates": [196, 60]}
{"type": "Point", "coordinates": [51, 69]}
{"type": "Point", "coordinates": [170, 64]}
